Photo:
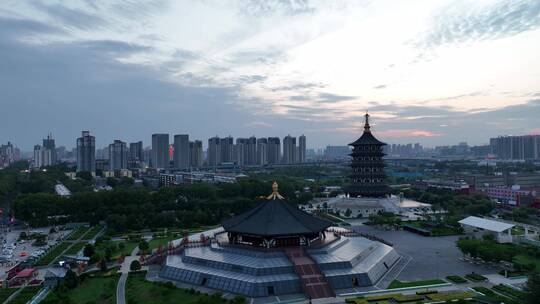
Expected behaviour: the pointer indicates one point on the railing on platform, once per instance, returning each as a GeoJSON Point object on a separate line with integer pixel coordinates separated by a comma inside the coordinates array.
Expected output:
{"type": "Point", "coordinates": [350, 233]}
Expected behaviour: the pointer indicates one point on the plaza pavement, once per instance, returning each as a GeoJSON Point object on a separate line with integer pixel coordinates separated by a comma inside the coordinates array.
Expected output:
{"type": "Point", "coordinates": [430, 257]}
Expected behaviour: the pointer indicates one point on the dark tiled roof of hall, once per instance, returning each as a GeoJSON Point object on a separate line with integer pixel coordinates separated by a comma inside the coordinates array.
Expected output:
{"type": "Point", "coordinates": [275, 217]}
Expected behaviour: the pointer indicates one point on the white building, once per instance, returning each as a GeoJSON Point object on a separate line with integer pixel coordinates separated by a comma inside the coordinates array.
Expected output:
{"type": "Point", "coordinates": [479, 227]}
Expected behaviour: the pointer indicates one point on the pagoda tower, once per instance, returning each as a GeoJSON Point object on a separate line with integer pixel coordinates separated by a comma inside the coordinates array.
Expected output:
{"type": "Point", "coordinates": [368, 178]}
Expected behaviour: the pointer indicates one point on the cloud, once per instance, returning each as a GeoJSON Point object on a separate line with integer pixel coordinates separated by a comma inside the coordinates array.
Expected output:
{"type": "Point", "coordinates": [329, 97]}
{"type": "Point", "coordinates": [259, 124]}
{"type": "Point", "coordinates": [462, 21]}
{"type": "Point", "coordinates": [69, 17]}
{"type": "Point", "coordinates": [299, 86]}
{"type": "Point", "coordinates": [67, 87]}
{"type": "Point", "coordinates": [269, 7]}
{"type": "Point", "coordinates": [382, 86]}
{"type": "Point", "coordinates": [409, 133]}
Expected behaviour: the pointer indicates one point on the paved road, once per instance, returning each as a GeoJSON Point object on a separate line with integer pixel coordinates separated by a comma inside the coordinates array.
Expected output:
{"type": "Point", "coordinates": [121, 289]}
{"type": "Point", "coordinates": [124, 269]}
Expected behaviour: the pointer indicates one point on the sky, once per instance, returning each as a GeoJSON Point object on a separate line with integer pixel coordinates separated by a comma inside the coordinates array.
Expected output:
{"type": "Point", "coordinates": [435, 72]}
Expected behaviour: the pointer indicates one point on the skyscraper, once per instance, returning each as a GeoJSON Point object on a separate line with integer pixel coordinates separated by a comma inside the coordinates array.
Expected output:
{"type": "Point", "coordinates": [136, 151]}
{"type": "Point", "coordinates": [274, 150]}
{"type": "Point", "coordinates": [251, 157]}
{"type": "Point", "coordinates": [289, 149]}
{"type": "Point", "coordinates": [181, 151]}
{"type": "Point", "coordinates": [262, 151]}
{"type": "Point", "coordinates": [7, 154]}
{"type": "Point", "coordinates": [195, 153]}
{"type": "Point", "coordinates": [118, 155]}
{"type": "Point", "coordinates": [86, 153]}
{"type": "Point", "coordinates": [226, 145]}
{"type": "Point", "coordinates": [38, 161]}
{"type": "Point", "coordinates": [214, 151]}
{"type": "Point", "coordinates": [160, 151]}
{"type": "Point", "coordinates": [48, 144]}
{"type": "Point", "coordinates": [136, 155]}
{"type": "Point", "coordinates": [240, 151]}
{"type": "Point", "coordinates": [301, 149]}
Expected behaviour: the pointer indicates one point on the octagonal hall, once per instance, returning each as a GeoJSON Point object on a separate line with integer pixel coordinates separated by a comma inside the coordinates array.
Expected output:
{"type": "Point", "coordinates": [276, 249]}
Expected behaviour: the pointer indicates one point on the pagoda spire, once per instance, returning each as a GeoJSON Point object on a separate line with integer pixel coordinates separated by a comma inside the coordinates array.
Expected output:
{"type": "Point", "coordinates": [366, 125]}
{"type": "Point", "coordinates": [275, 193]}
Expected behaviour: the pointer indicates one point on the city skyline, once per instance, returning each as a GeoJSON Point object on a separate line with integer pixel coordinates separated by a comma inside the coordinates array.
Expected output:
{"type": "Point", "coordinates": [274, 67]}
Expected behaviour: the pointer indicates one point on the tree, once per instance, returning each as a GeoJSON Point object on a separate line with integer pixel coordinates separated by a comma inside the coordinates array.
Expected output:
{"type": "Point", "coordinates": [71, 280]}
{"type": "Point", "coordinates": [532, 289]}
{"type": "Point", "coordinates": [348, 212]}
{"type": "Point", "coordinates": [111, 181]}
{"type": "Point", "coordinates": [143, 245]}
{"type": "Point", "coordinates": [89, 250]}
{"type": "Point", "coordinates": [108, 253]}
{"type": "Point", "coordinates": [135, 265]}
{"type": "Point", "coordinates": [85, 175]}
{"type": "Point", "coordinates": [103, 265]}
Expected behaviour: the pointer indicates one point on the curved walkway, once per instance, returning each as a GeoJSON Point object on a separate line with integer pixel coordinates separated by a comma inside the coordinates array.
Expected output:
{"type": "Point", "coordinates": [124, 269]}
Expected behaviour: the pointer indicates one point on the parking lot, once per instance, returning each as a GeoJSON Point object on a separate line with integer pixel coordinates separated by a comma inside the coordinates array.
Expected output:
{"type": "Point", "coordinates": [430, 257]}
{"type": "Point", "coordinates": [13, 250]}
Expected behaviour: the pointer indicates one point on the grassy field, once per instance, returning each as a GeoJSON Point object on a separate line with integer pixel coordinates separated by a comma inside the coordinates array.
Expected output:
{"type": "Point", "coordinates": [5, 293]}
{"type": "Point", "coordinates": [93, 232]}
{"type": "Point", "coordinates": [140, 291]}
{"type": "Point", "coordinates": [525, 259]}
{"type": "Point", "coordinates": [52, 254]}
{"type": "Point", "coordinates": [77, 233]}
{"type": "Point", "coordinates": [26, 295]}
{"type": "Point", "coordinates": [99, 289]}
{"type": "Point", "coordinates": [76, 248]}
{"type": "Point", "coordinates": [400, 284]}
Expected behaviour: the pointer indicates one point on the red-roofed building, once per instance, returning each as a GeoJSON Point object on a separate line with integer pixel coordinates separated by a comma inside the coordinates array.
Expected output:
{"type": "Point", "coordinates": [23, 276]}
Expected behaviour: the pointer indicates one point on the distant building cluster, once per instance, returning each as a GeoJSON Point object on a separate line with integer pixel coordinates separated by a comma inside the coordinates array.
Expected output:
{"type": "Point", "coordinates": [45, 155]}
{"type": "Point", "coordinates": [525, 147]}
{"type": "Point", "coordinates": [404, 150]}
{"type": "Point", "coordinates": [8, 154]}
{"type": "Point", "coordinates": [182, 154]}
{"type": "Point", "coordinates": [254, 151]}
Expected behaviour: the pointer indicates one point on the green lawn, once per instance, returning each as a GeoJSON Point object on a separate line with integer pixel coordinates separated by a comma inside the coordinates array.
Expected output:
{"type": "Point", "coordinates": [128, 248]}
{"type": "Point", "coordinates": [26, 295]}
{"type": "Point", "coordinates": [163, 241]}
{"type": "Point", "coordinates": [76, 248]}
{"type": "Point", "coordinates": [52, 254]}
{"type": "Point", "coordinates": [141, 291]}
{"type": "Point", "coordinates": [456, 279]}
{"type": "Point", "coordinates": [400, 284]}
{"type": "Point", "coordinates": [418, 298]}
{"type": "Point", "coordinates": [93, 232]}
{"type": "Point", "coordinates": [117, 252]}
{"type": "Point", "coordinates": [526, 259]}
{"type": "Point", "coordinates": [491, 296]}
{"type": "Point", "coordinates": [100, 289]}
{"type": "Point", "coordinates": [77, 233]}
{"type": "Point", "coordinates": [5, 293]}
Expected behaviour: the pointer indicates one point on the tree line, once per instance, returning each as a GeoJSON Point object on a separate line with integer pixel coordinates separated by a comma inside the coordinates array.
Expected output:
{"type": "Point", "coordinates": [125, 209]}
